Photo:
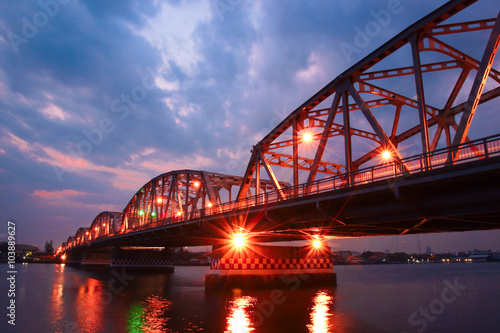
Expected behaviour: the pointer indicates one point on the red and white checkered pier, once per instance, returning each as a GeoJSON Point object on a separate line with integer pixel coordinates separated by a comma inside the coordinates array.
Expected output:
{"type": "Point", "coordinates": [260, 266]}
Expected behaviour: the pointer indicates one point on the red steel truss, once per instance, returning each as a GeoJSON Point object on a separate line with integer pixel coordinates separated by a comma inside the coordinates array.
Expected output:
{"type": "Point", "coordinates": [372, 122]}
{"type": "Point", "coordinates": [307, 142]}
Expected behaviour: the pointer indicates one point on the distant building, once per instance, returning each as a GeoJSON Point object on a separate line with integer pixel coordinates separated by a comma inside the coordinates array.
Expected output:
{"type": "Point", "coordinates": [25, 250]}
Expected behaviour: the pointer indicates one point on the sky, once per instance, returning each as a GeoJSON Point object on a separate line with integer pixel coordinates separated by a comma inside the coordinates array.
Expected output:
{"type": "Point", "coordinates": [98, 97]}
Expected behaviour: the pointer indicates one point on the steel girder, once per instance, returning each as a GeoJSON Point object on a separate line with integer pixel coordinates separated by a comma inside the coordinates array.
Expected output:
{"type": "Point", "coordinates": [284, 147]}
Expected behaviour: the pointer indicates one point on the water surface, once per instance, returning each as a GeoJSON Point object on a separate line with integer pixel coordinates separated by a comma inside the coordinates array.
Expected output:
{"type": "Point", "coordinates": [378, 298]}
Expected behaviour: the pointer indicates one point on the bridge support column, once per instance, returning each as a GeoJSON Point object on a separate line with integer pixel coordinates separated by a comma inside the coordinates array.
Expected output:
{"type": "Point", "coordinates": [262, 266]}
{"type": "Point", "coordinates": [132, 258]}
{"type": "Point", "coordinates": [96, 258]}
{"type": "Point", "coordinates": [142, 259]}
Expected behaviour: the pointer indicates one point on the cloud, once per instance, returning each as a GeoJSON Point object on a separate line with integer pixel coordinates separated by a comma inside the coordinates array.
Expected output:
{"type": "Point", "coordinates": [172, 32]}
{"type": "Point", "coordinates": [72, 198]}
{"type": "Point", "coordinates": [54, 112]}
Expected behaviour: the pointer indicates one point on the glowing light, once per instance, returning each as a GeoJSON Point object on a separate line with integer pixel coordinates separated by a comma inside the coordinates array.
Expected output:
{"type": "Point", "coordinates": [104, 224]}
{"type": "Point", "coordinates": [196, 184]}
{"type": "Point", "coordinates": [159, 200]}
{"type": "Point", "coordinates": [178, 214]}
{"type": "Point", "coordinates": [238, 319]}
{"type": "Point", "coordinates": [95, 228]}
{"type": "Point", "coordinates": [86, 232]}
{"type": "Point", "coordinates": [320, 315]}
{"type": "Point", "coordinates": [317, 243]}
{"type": "Point", "coordinates": [209, 205]}
{"type": "Point", "coordinates": [386, 155]}
{"type": "Point", "coordinates": [141, 212]}
{"type": "Point", "coordinates": [239, 240]}
{"type": "Point", "coordinates": [63, 257]}
{"type": "Point", "coordinates": [153, 214]}
{"type": "Point", "coordinates": [307, 137]}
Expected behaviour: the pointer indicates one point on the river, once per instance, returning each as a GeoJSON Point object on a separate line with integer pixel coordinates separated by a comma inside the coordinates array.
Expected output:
{"type": "Point", "coordinates": [461, 297]}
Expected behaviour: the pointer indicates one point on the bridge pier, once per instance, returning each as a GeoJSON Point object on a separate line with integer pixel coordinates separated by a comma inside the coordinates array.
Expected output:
{"type": "Point", "coordinates": [132, 258]}
{"type": "Point", "coordinates": [262, 266]}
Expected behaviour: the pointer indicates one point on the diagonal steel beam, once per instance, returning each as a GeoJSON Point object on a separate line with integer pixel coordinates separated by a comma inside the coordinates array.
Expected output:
{"type": "Point", "coordinates": [324, 137]}
{"type": "Point", "coordinates": [247, 178]}
{"type": "Point", "coordinates": [438, 45]}
{"type": "Point", "coordinates": [478, 85]}
{"type": "Point", "coordinates": [271, 175]}
{"type": "Point", "coordinates": [419, 84]}
{"type": "Point", "coordinates": [386, 142]}
{"type": "Point", "coordinates": [456, 90]}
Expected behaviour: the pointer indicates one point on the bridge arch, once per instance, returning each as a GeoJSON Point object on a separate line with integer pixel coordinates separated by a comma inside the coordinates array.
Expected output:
{"type": "Point", "coordinates": [81, 236]}
{"type": "Point", "coordinates": [70, 242]}
{"type": "Point", "coordinates": [105, 224]}
{"type": "Point", "coordinates": [182, 195]}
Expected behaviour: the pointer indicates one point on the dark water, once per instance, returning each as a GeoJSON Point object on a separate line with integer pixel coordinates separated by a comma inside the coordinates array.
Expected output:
{"type": "Point", "coordinates": [388, 298]}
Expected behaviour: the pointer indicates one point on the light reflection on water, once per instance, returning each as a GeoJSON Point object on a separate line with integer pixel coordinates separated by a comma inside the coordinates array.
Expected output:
{"type": "Point", "coordinates": [149, 316]}
{"type": "Point", "coordinates": [238, 319]}
{"type": "Point", "coordinates": [89, 306]}
{"type": "Point", "coordinates": [320, 313]}
{"type": "Point", "coordinates": [57, 301]}
{"type": "Point", "coordinates": [61, 299]}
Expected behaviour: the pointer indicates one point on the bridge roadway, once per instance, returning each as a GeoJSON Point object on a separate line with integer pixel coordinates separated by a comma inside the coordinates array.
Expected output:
{"type": "Point", "coordinates": [460, 197]}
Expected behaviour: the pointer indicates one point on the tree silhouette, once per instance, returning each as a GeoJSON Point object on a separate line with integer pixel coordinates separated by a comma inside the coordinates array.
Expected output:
{"type": "Point", "coordinates": [48, 247]}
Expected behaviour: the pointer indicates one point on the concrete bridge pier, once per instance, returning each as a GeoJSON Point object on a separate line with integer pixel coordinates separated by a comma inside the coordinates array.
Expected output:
{"type": "Point", "coordinates": [132, 258]}
{"type": "Point", "coordinates": [263, 266]}
{"type": "Point", "coordinates": [142, 259]}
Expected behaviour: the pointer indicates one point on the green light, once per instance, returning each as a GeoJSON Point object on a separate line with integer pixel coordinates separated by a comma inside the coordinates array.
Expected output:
{"type": "Point", "coordinates": [153, 214]}
{"type": "Point", "coordinates": [135, 319]}
{"type": "Point", "coordinates": [141, 212]}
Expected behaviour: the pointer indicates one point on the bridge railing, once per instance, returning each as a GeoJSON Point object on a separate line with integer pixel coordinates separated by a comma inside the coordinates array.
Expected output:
{"type": "Point", "coordinates": [473, 150]}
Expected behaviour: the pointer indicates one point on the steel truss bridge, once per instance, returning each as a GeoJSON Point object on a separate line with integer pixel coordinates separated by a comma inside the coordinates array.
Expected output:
{"type": "Point", "coordinates": [383, 149]}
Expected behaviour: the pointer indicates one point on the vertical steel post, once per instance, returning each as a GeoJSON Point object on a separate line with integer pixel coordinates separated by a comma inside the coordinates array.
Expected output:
{"type": "Point", "coordinates": [257, 179]}
{"type": "Point", "coordinates": [347, 137]}
{"type": "Point", "coordinates": [295, 157]}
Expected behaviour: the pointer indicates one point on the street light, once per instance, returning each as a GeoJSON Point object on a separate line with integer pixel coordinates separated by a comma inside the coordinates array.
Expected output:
{"type": "Point", "coordinates": [386, 155]}
{"type": "Point", "coordinates": [239, 240]}
{"type": "Point", "coordinates": [307, 137]}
